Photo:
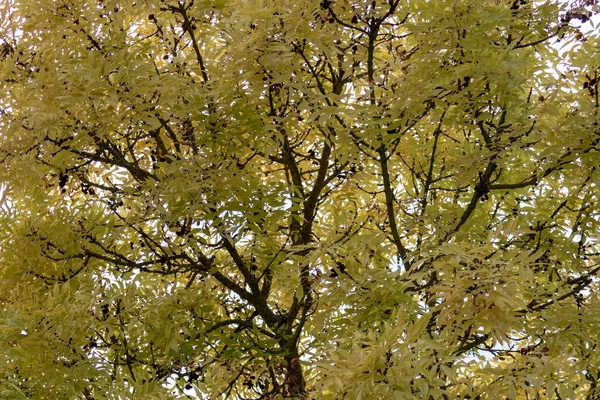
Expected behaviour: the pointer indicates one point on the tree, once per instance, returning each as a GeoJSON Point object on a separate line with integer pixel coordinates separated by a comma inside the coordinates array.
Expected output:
{"type": "Point", "coordinates": [292, 199]}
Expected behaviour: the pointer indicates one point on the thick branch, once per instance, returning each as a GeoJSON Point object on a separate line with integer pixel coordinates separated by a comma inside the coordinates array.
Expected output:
{"type": "Point", "coordinates": [481, 189]}
{"type": "Point", "coordinates": [429, 179]}
{"type": "Point", "coordinates": [578, 284]}
{"type": "Point", "coordinates": [188, 26]}
{"type": "Point", "coordinates": [389, 203]}
{"type": "Point", "coordinates": [310, 204]}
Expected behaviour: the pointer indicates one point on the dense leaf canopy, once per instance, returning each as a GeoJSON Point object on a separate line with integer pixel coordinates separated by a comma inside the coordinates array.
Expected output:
{"type": "Point", "coordinates": [299, 199]}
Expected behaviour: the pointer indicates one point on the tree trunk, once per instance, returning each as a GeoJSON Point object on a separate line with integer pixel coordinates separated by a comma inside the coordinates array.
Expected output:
{"type": "Point", "coordinates": [294, 385]}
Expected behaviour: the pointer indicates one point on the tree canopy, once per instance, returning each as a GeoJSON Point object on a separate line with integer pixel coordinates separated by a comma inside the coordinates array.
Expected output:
{"type": "Point", "coordinates": [267, 199]}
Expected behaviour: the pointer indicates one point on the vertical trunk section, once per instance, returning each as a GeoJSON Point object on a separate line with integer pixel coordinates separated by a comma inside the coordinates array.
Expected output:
{"type": "Point", "coordinates": [294, 385]}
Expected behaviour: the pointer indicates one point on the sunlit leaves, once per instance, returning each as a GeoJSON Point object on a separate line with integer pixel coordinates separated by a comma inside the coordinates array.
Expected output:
{"type": "Point", "coordinates": [272, 199]}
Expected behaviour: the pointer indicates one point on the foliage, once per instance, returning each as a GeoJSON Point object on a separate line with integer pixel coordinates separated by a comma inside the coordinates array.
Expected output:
{"type": "Point", "coordinates": [288, 199]}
